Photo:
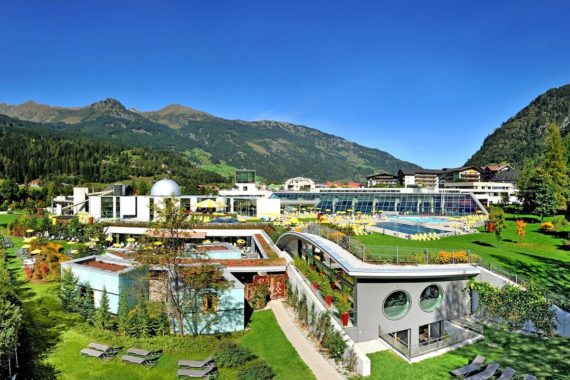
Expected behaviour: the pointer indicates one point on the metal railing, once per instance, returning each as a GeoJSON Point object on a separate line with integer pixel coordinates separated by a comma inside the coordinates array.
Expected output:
{"type": "Point", "coordinates": [393, 254]}
{"type": "Point", "coordinates": [462, 330]}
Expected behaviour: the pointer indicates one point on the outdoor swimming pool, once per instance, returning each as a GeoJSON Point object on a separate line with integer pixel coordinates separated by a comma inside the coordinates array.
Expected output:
{"type": "Point", "coordinates": [419, 219]}
{"type": "Point", "coordinates": [410, 229]}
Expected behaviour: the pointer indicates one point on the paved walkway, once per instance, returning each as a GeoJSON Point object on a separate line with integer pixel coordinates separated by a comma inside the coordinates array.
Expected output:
{"type": "Point", "coordinates": [322, 369]}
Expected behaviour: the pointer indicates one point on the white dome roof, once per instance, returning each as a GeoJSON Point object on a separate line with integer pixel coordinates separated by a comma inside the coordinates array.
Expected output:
{"type": "Point", "coordinates": [165, 188]}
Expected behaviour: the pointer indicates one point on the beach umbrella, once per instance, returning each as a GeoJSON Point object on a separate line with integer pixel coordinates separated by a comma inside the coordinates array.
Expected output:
{"type": "Point", "coordinates": [157, 243]}
{"type": "Point", "coordinates": [240, 241]}
{"type": "Point", "coordinates": [36, 251]}
{"type": "Point", "coordinates": [117, 245]}
{"type": "Point", "coordinates": [207, 241]}
{"type": "Point", "coordinates": [29, 231]}
{"type": "Point", "coordinates": [208, 203]}
{"type": "Point", "coordinates": [26, 246]}
{"type": "Point", "coordinates": [109, 238]}
{"type": "Point", "coordinates": [27, 240]}
{"type": "Point", "coordinates": [74, 251]}
{"type": "Point", "coordinates": [131, 240]}
{"type": "Point", "coordinates": [95, 239]}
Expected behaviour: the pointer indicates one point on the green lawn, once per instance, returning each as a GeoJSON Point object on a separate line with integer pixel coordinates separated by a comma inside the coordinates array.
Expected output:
{"type": "Point", "coordinates": [8, 218]}
{"type": "Point", "coordinates": [52, 340]}
{"type": "Point", "coordinates": [267, 340]}
{"type": "Point", "coordinates": [546, 359]}
{"type": "Point", "coordinates": [541, 257]}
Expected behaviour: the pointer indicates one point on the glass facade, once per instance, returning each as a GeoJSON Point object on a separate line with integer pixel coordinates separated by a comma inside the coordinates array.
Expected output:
{"type": "Point", "coordinates": [452, 204]}
{"type": "Point", "coordinates": [245, 176]}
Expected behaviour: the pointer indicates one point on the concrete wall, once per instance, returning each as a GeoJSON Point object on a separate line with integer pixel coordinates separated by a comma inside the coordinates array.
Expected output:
{"type": "Point", "coordinates": [363, 366]}
{"type": "Point", "coordinates": [128, 206]}
{"type": "Point", "coordinates": [268, 208]}
{"type": "Point", "coordinates": [95, 207]}
{"type": "Point", "coordinates": [371, 294]}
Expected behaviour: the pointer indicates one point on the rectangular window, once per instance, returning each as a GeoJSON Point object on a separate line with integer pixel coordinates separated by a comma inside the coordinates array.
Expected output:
{"type": "Point", "coordinates": [185, 204]}
{"type": "Point", "coordinates": [106, 207]}
{"type": "Point", "coordinates": [210, 303]}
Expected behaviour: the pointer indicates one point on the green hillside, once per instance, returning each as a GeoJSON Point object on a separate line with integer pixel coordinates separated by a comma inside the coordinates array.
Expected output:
{"type": "Point", "coordinates": [522, 136]}
{"type": "Point", "coordinates": [276, 150]}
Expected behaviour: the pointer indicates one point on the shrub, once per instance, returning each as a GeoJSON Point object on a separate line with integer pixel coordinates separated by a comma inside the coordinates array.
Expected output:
{"type": "Point", "coordinates": [547, 226]}
{"type": "Point", "coordinates": [453, 257]}
{"type": "Point", "coordinates": [258, 370]}
{"type": "Point", "coordinates": [559, 222]}
{"type": "Point", "coordinates": [260, 296]}
{"type": "Point", "coordinates": [232, 355]}
{"type": "Point", "coordinates": [335, 345]}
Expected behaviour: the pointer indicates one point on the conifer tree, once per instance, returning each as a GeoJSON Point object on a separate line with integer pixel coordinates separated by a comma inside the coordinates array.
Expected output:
{"type": "Point", "coordinates": [86, 306]}
{"type": "Point", "coordinates": [69, 291]}
{"type": "Point", "coordinates": [102, 318]}
{"type": "Point", "coordinates": [123, 314]}
{"type": "Point", "coordinates": [554, 165]}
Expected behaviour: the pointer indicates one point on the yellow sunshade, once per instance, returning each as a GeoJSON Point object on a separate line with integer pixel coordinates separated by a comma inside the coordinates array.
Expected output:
{"type": "Point", "coordinates": [208, 203]}
{"type": "Point", "coordinates": [26, 246]}
{"type": "Point", "coordinates": [36, 251]}
{"type": "Point", "coordinates": [30, 230]}
{"type": "Point", "coordinates": [131, 240]}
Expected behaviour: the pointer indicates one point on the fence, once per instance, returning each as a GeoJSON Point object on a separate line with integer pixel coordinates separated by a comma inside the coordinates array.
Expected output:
{"type": "Point", "coordinates": [393, 255]}
{"type": "Point", "coordinates": [414, 255]}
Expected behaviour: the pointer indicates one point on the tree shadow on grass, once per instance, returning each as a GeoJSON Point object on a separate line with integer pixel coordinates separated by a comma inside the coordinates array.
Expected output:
{"type": "Point", "coordinates": [553, 274]}
{"type": "Point", "coordinates": [43, 322]}
{"type": "Point", "coordinates": [544, 358]}
{"type": "Point", "coordinates": [483, 243]}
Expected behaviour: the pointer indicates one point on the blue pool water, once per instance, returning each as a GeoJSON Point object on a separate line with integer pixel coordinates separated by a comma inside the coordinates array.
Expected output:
{"type": "Point", "coordinates": [419, 219]}
{"type": "Point", "coordinates": [409, 229]}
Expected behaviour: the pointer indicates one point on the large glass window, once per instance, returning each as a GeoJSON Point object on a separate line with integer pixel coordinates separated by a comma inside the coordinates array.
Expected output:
{"type": "Point", "coordinates": [397, 305]}
{"type": "Point", "coordinates": [431, 298]}
{"type": "Point", "coordinates": [106, 207]}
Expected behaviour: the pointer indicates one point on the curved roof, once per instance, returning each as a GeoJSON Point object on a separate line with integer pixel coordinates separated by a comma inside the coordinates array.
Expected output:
{"type": "Point", "coordinates": [165, 188]}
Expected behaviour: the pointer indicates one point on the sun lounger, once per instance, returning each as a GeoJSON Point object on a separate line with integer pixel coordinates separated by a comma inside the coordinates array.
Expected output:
{"type": "Point", "coordinates": [144, 361]}
{"type": "Point", "coordinates": [507, 374]}
{"type": "Point", "coordinates": [529, 377]}
{"type": "Point", "coordinates": [96, 354]}
{"type": "Point", "coordinates": [194, 363]}
{"type": "Point", "coordinates": [195, 373]}
{"type": "Point", "coordinates": [470, 368]}
{"type": "Point", "coordinates": [143, 353]}
{"type": "Point", "coordinates": [104, 348]}
{"type": "Point", "coordinates": [487, 373]}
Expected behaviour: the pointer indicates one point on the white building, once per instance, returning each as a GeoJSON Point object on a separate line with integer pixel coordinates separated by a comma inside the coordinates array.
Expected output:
{"type": "Point", "coordinates": [487, 193]}
{"type": "Point", "coordinates": [299, 184]}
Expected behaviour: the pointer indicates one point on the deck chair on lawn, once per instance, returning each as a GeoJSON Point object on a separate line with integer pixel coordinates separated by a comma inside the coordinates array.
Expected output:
{"type": "Point", "coordinates": [194, 363]}
{"type": "Point", "coordinates": [475, 365]}
{"type": "Point", "coordinates": [507, 374]}
{"type": "Point", "coordinates": [487, 373]}
{"type": "Point", "coordinates": [143, 361]}
{"type": "Point", "coordinates": [195, 373]}
{"type": "Point", "coordinates": [96, 354]}
{"type": "Point", "coordinates": [103, 347]}
{"type": "Point", "coordinates": [144, 353]}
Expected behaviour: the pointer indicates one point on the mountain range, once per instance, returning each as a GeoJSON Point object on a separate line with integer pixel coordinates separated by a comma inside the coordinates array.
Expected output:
{"type": "Point", "coordinates": [522, 137]}
{"type": "Point", "coordinates": [276, 150]}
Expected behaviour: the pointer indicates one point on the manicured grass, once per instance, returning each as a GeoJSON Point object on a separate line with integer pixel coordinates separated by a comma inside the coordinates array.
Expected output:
{"type": "Point", "coordinates": [540, 257]}
{"type": "Point", "coordinates": [8, 218]}
{"type": "Point", "coordinates": [546, 359]}
{"type": "Point", "coordinates": [268, 341]}
{"type": "Point", "coordinates": [52, 340]}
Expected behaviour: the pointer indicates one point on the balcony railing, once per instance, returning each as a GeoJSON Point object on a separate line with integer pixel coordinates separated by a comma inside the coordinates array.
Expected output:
{"type": "Point", "coordinates": [456, 331]}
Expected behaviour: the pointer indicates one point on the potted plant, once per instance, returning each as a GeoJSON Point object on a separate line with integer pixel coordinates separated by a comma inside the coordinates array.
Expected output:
{"type": "Point", "coordinates": [326, 290]}
{"type": "Point", "coordinates": [313, 277]}
{"type": "Point", "coordinates": [343, 305]}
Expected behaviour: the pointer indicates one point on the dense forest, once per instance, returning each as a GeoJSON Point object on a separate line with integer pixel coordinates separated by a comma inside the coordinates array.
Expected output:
{"type": "Point", "coordinates": [276, 150]}
{"type": "Point", "coordinates": [29, 151]}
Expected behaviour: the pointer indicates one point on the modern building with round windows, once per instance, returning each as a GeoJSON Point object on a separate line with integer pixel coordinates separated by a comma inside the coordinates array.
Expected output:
{"type": "Point", "coordinates": [415, 308]}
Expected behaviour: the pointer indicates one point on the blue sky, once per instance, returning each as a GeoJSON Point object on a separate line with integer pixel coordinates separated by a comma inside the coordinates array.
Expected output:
{"type": "Point", "coordinates": [423, 80]}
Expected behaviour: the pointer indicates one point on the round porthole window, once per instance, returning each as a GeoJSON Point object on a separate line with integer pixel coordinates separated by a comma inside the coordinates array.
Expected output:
{"type": "Point", "coordinates": [431, 298]}
{"type": "Point", "coordinates": [396, 305]}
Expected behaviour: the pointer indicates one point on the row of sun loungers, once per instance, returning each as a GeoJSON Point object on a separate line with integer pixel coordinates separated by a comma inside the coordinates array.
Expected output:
{"type": "Point", "coordinates": [475, 371]}
{"type": "Point", "coordinates": [197, 369]}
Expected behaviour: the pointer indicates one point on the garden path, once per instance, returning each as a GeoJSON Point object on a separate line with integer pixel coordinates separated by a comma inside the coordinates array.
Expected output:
{"type": "Point", "coordinates": [321, 367]}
